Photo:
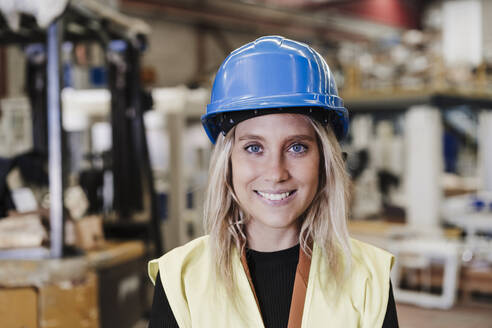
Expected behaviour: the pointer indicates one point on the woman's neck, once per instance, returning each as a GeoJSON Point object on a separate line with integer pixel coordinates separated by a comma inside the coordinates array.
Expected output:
{"type": "Point", "coordinates": [267, 239]}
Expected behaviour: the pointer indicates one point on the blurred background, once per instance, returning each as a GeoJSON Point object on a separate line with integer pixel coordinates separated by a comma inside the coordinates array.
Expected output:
{"type": "Point", "coordinates": [103, 160]}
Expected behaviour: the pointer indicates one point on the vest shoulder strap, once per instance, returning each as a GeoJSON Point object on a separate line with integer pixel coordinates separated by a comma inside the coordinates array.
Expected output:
{"type": "Point", "coordinates": [373, 266]}
{"type": "Point", "coordinates": [174, 266]}
{"type": "Point", "coordinates": [362, 300]}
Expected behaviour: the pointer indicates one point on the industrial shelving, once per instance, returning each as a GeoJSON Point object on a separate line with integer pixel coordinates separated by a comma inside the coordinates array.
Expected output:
{"type": "Point", "coordinates": [86, 20]}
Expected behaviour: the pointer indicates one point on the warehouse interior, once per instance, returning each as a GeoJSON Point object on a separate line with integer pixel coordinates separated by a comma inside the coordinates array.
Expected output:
{"type": "Point", "coordinates": [104, 161]}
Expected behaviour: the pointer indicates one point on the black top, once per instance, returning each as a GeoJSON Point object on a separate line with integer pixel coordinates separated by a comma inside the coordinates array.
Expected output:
{"type": "Point", "coordinates": [273, 275]}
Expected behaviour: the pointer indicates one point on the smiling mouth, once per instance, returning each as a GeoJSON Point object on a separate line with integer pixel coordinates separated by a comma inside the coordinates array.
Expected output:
{"type": "Point", "coordinates": [275, 196]}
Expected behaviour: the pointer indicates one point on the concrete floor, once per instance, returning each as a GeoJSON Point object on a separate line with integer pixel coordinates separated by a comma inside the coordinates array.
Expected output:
{"type": "Point", "coordinates": [476, 315]}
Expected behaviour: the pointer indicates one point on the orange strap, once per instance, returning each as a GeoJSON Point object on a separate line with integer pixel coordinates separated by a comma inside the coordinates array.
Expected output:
{"type": "Point", "coordinates": [299, 292]}
{"type": "Point", "coordinates": [244, 262]}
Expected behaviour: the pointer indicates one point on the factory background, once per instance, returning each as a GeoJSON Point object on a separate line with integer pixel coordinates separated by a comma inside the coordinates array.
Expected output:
{"type": "Point", "coordinates": [103, 159]}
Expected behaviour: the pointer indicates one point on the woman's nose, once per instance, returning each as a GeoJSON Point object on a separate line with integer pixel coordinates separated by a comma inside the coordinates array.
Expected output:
{"type": "Point", "coordinates": [276, 168]}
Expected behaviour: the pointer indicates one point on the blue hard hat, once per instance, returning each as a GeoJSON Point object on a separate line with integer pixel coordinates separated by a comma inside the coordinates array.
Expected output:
{"type": "Point", "coordinates": [272, 75]}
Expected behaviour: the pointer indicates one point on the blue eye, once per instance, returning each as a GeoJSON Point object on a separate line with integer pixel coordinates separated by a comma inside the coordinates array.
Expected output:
{"type": "Point", "coordinates": [253, 149]}
{"type": "Point", "coordinates": [298, 148]}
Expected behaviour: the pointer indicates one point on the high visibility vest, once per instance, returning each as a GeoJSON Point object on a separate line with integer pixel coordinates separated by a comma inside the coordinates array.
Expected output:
{"type": "Point", "coordinates": [197, 300]}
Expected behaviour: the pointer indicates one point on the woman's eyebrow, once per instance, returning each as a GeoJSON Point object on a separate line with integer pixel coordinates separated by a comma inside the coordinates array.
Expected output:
{"type": "Point", "coordinates": [305, 137]}
{"type": "Point", "coordinates": [251, 137]}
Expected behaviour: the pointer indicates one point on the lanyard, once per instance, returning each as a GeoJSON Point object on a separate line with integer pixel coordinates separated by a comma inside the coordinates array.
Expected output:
{"type": "Point", "coordinates": [299, 292]}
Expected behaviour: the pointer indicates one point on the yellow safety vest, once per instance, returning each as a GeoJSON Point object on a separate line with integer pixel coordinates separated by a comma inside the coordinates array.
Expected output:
{"type": "Point", "coordinates": [198, 301]}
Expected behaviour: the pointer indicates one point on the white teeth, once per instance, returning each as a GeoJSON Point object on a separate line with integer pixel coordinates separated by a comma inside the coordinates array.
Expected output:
{"type": "Point", "coordinates": [274, 196]}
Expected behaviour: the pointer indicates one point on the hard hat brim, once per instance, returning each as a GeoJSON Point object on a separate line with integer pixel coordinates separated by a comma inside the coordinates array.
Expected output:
{"type": "Point", "coordinates": [326, 103]}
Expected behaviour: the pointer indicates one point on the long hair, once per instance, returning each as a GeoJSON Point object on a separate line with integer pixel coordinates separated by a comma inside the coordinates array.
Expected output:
{"type": "Point", "coordinates": [324, 222]}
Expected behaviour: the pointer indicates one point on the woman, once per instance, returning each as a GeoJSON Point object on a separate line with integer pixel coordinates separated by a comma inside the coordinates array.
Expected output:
{"type": "Point", "coordinates": [277, 253]}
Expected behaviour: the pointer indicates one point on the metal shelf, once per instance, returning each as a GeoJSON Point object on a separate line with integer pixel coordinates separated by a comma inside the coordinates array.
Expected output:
{"type": "Point", "coordinates": [401, 100]}
{"type": "Point", "coordinates": [98, 23]}
{"type": "Point", "coordinates": [25, 253]}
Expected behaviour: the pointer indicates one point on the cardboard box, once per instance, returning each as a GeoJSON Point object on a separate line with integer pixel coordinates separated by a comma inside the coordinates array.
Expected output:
{"type": "Point", "coordinates": [22, 231]}
{"type": "Point", "coordinates": [71, 304]}
{"type": "Point", "coordinates": [99, 290]}
{"type": "Point", "coordinates": [89, 233]}
{"type": "Point", "coordinates": [18, 308]}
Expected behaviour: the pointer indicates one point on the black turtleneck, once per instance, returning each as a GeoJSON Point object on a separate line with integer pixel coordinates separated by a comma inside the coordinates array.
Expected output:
{"type": "Point", "coordinates": [273, 275]}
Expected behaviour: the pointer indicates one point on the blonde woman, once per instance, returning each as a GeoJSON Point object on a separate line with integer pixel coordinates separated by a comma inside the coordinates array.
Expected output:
{"type": "Point", "coordinates": [277, 253]}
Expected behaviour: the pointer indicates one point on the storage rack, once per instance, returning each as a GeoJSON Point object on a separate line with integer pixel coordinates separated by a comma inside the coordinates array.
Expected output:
{"type": "Point", "coordinates": [400, 101]}
{"type": "Point", "coordinates": [125, 37]}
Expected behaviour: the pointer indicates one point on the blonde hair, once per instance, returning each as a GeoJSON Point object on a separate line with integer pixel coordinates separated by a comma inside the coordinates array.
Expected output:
{"type": "Point", "coordinates": [324, 222]}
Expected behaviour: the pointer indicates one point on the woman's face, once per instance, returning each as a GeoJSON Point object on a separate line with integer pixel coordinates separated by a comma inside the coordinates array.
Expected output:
{"type": "Point", "coordinates": [275, 168]}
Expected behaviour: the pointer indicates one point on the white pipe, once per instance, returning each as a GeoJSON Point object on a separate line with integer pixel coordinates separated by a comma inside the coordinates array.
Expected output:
{"type": "Point", "coordinates": [423, 134]}
{"type": "Point", "coordinates": [485, 149]}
